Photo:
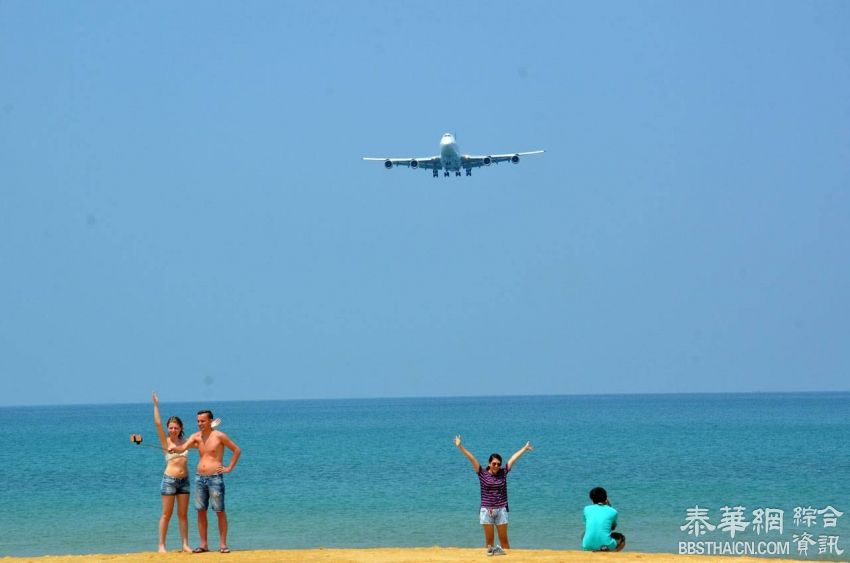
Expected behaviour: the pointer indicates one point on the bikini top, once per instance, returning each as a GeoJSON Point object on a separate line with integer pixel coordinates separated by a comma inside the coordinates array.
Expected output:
{"type": "Point", "coordinates": [169, 457]}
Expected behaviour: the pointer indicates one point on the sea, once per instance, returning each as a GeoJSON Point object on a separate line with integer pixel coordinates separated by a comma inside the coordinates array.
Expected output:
{"type": "Point", "coordinates": [731, 474]}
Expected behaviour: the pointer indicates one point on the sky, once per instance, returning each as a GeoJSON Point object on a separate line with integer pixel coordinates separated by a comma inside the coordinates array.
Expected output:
{"type": "Point", "coordinates": [184, 208]}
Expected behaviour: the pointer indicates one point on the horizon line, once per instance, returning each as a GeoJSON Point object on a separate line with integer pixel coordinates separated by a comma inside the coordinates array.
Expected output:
{"type": "Point", "coordinates": [426, 397]}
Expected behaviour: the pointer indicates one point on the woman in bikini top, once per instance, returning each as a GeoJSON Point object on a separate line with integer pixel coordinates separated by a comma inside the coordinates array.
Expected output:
{"type": "Point", "coordinates": [175, 479]}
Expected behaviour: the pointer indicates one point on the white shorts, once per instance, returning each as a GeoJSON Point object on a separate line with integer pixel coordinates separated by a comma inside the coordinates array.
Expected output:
{"type": "Point", "coordinates": [497, 516]}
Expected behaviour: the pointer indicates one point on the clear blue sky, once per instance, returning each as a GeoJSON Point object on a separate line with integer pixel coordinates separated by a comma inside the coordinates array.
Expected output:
{"type": "Point", "coordinates": [183, 206]}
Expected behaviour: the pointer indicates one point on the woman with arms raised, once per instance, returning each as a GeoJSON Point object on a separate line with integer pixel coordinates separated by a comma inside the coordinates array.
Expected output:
{"type": "Point", "coordinates": [175, 480]}
{"type": "Point", "coordinates": [494, 495]}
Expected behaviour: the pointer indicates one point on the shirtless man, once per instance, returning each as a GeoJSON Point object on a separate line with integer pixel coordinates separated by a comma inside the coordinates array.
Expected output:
{"type": "Point", "coordinates": [209, 479]}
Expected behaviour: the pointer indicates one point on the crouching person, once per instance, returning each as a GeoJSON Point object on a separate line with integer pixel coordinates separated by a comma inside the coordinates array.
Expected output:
{"type": "Point", "coordinates": [600, 521]}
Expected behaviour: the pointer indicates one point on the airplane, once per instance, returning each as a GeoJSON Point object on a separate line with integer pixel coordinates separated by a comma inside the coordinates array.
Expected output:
{"type": "Point", "coordinates": [450, 159]}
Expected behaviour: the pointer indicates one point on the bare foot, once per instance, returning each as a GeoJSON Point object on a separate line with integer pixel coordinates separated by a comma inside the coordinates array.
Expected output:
{"type": "Point", "coordinates": [162, 549]}
{"type": "Point", "coordinates": [187, 548]}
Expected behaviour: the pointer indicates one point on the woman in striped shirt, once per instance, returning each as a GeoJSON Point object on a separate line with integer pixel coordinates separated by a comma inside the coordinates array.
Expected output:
{"type": "Point", "coordinates": [494, 495]}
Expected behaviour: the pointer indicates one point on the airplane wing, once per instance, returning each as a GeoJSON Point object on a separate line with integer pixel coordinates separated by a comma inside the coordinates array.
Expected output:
{"type": "Point", "coordinates": [428, 162]}
{"type": "Point", "coordinates": [476, 161]}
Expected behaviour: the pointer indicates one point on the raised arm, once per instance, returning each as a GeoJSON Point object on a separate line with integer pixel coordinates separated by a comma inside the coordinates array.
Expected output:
{"type": "Point", "coordinates": [236, 450]}
{"type": "Point", "coordinates": [158, 421]}
{"type": "Point", "coordinates": [475, 465]}
{"type": "Point", "coordinates": [526, 448]}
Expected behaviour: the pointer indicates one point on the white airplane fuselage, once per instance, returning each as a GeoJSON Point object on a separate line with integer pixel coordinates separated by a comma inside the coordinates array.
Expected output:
{"type": "Point", "coordinates": [449, 153]}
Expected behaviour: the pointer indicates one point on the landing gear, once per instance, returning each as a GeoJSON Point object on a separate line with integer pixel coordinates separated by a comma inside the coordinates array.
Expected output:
{"type": "Point", "coordinates": [457, 172]}
{"type": "Point", "coordinates": [436, 173]}
{"type": "Point", "coordinates": [446, 174]}
{"type": "Point", "coordinates": [469, 171]}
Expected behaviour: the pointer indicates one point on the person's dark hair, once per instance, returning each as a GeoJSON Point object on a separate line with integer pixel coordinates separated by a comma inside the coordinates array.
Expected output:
{"type": "Point", "coordinates": [494, 456]}
{"type": "Point", "coordinates": [206, 412]}
{"type": "Point", "coordinates": [598, 495]}
{"type": "Point", "coordinates": [178, 421]}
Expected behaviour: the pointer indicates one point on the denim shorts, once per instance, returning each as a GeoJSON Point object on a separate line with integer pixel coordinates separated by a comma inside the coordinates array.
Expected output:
{"type": "Point", "coordinates": [497, 516]}
{"type": "Point", "coordinates": [174, 486]}
{"type": "Point", "coordinates": [209, 492]}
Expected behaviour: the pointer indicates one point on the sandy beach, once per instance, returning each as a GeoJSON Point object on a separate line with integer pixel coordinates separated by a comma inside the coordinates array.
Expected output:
{"type": "Point", "coordinates": [391, 555]}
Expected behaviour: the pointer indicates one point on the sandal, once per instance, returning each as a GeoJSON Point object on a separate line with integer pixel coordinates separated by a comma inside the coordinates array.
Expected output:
{"type": "Point", "coordinates": [224, 550]}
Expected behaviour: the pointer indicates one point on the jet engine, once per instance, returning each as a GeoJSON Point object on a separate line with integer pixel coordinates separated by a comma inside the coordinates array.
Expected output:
{"type": "Point", "coordinates": [515, 158]}
{"type": "Point", "coordinates": [414, 163]}
{"type": "Point", "coordinates": [388, 164]}
{"type": "Point", "coordinates": [487, 160]}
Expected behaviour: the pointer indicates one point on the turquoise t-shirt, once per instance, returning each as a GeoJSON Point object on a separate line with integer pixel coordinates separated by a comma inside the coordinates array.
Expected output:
{"type": "Point", "coordinates": [599, 519]}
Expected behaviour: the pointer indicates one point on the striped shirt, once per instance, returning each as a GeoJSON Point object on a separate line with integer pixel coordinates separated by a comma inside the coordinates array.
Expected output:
{"type": "Point", "coordinates": [494, 488]}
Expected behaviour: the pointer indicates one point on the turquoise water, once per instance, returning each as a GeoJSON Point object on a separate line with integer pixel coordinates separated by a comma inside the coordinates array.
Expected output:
{"type": "Point", "coordinates": [385, 472]}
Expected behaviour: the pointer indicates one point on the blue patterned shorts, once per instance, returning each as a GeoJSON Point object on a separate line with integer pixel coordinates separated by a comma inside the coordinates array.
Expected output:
{"type": "Point", "coordinates": [209, 491]}
{"type": "Point", "coordinates": [174, 486]}
{"type": "Point", "coordinates": [497, 516]}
